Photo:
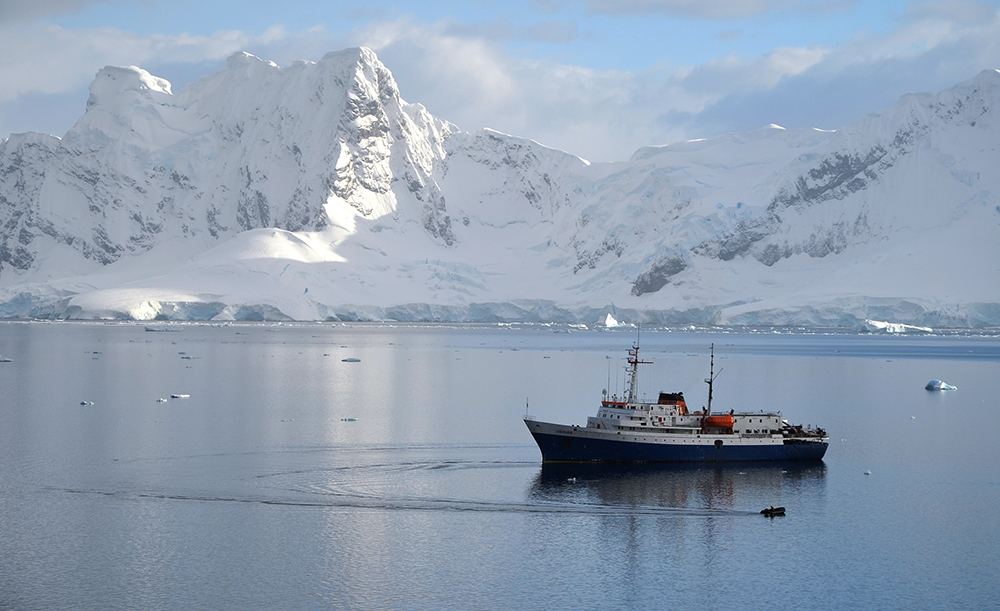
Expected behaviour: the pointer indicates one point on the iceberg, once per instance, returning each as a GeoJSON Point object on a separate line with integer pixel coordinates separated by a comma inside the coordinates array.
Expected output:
{"type": "Point", "coordinates": [939, 385]}
{"type": "Point", "coordinates": [877, 326]}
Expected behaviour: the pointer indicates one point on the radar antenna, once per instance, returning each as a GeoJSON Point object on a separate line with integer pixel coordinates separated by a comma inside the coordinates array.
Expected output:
{"type": "Point", "coordinates": [633, 373]}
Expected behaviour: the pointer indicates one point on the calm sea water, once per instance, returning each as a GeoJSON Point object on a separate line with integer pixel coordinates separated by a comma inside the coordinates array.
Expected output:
{"type": "Point", "coordinates": [259, 491]}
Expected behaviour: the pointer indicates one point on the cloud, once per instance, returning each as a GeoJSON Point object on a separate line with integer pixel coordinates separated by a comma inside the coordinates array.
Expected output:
{"type": "Point", "coordinates": [734, 74]}
{"type": "Point", "coordinates": [558, 32]}
{"type": "Point", "coordinates": [700, 9]}
{"type": "Point", "coordinates": [45, 58]}
{"type": "Point", "coordinates": [469, 75]}
{"type": "Point", "coordinates": [933, 49]}
{"type": "Point", "coordinates": [27, 10]}
{"type": "Point", "coordinates": [602, 115]}
{"type": "Point", "coordinates": [964, 12]}
{"type": "Point", "coordinates": [475, 83]}
{"type": "Point", "coordinates": [47, 68]}
{"type": "Point", "coordinates": [710, 9]}
{"type": "Point", "coordinates": [607, 115]}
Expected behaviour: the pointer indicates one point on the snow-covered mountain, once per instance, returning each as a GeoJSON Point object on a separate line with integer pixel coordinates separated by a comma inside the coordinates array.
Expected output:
{"type": "Point", "coordinates": [314, 192]}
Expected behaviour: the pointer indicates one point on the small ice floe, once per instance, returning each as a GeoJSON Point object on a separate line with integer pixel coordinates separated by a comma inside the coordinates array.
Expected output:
{"type": "Point", "coordinates": [939, 385]}
{"type": "Point", "coordinates": [348, 419]}
{"type": "Point", "coordinates": [178, 396]}
{"type": "Point", "coordinates": [86, 402]}
{"type": "Point", "coordinates": [4, 359]}
{"type": "Point", "coordinates": [868, 472]}
{"type": "Point", "coordinates": [571, 480]}
{"type": "Point", "coordinates": [350, 359]}
{"type": "Point", "coordinates": [161, 400]}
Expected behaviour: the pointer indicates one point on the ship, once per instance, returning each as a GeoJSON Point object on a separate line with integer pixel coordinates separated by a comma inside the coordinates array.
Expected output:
{"type": "Point", "coordinates": [628, 430]}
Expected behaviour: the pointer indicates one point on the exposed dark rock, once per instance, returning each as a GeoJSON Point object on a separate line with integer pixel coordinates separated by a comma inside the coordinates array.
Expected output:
{"type": "Point", "coordinates": [658, 276]}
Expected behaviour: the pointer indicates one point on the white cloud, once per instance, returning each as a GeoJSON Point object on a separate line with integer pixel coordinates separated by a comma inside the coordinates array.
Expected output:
{"type": "Point", "coordinates": [701, 9]}
{"type": "Point", "coordinates": [930, 50]}
{"type": "Point", "coordinates": [965, 12]}
{"type": "Point", "coordinates": [467, 75]}
{"type": "Point", "coordinates": [558, 32]}
{"type": "Point", "coordinates": [711, 9]}
{"type": "Point", "coordinates": [26, 10]}
{"type": "Point", "coordinates": [600, 115]}
{"type": "Point", "coordinates": [44, 58]}
{"type": "Point", "coordinates": [734, 74]}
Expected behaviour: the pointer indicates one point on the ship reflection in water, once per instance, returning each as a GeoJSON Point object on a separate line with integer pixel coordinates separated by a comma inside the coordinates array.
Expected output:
{"type": "Point", "coordinates": [705, 489]}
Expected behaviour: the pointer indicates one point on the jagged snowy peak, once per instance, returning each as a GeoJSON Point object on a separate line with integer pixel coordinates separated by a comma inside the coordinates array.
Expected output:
{"type": "Point", "coordinates": [314, 191]}
{"type": "Point", "coordinates": [252, 146]}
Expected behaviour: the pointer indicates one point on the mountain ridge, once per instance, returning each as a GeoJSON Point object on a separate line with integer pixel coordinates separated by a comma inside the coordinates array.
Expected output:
{"type": "Point", "coordinates": [314, 192]}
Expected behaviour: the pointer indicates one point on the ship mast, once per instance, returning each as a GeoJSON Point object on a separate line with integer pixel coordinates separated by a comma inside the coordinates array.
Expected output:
{"type": "Point", "coordinates": [711, 378]}
{"type": "Point", "coordinates": [632, 391]}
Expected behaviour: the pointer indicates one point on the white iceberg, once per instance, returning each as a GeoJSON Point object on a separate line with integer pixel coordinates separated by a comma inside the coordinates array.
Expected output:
{"type": "Point", "coordinates": [611, 322]}
{"type": "Point", "coordinates": [939, 385]}
{"type": "Point", "coordinates": [878, 326]}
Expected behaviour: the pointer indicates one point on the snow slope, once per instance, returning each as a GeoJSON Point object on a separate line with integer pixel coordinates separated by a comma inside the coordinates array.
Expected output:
{"type": "Point", "coordinates": [314, 192]}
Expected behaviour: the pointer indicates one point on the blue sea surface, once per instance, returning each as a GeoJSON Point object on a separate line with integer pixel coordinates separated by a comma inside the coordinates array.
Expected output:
{"type": "Point", "coordinates": [291, 479]}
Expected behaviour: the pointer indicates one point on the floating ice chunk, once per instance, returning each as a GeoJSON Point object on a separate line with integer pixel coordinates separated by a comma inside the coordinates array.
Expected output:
{"type": "Point", "coordinates": [610, 321]}
{"type": "Point", "coordinates": [180, 396]}
{"type": "Point", "coordinates": [939, 385]}
{"type": "Point", "coordinates": [4, 359]}
{"type": "Point", "coordinates": [161, 400]}
{"type": "Point", "coordinates": [878, 326]}
{"type": "Point", "coordinates": [349, 419]}
{"type": "Point", "coordinates": [350, 359]}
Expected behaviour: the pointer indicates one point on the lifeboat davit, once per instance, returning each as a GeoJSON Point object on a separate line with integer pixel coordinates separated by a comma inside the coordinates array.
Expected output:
{"type": "Point", "coordinates": [722, 422]}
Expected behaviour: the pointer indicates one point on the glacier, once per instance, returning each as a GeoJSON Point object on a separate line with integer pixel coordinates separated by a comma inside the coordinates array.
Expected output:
{"type": "Point", "coordinates": [314, 191]}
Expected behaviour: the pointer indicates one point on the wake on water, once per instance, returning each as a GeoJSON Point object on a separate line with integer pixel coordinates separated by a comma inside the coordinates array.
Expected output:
{"type": "Point", "coordinates": [425, 478]}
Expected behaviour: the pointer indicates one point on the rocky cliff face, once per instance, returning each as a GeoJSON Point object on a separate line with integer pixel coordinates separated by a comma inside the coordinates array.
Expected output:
{"type": "Point", "coordinates": [314, 191]}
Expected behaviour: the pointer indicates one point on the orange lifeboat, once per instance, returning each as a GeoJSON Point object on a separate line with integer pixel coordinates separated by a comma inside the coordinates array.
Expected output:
{"type": "Point", "coordinates": [723, 422]}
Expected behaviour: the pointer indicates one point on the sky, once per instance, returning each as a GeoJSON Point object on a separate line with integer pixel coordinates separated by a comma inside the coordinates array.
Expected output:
{"type": "Point", "coordinates": [596, 78]}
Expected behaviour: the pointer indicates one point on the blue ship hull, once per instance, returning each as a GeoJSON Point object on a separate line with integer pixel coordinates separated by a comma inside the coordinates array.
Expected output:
{"type": "Point", "coordinates": [565, 448]}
